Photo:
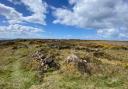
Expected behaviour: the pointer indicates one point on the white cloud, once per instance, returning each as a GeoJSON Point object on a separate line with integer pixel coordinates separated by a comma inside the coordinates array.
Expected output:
{"type": "Point", "coordinates": [19, 31]}
{"type": "Point", "coordinates": [72, 1]}
{"type": "Point", "coordinates": [14, 18]}
{"type": "Point", "coordinates": [19, 28]}
{"type": "Point", "coordinates": [106, 16]}
{"type": "Point", "coordinates": [38, 8]}
{"type": "Point", "coordinates": [10, 14]}
{"type": "Point", "coordinates": [118, 34]}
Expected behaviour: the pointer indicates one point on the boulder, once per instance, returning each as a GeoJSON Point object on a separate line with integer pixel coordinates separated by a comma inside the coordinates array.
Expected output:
{"type": "Point", "coordinates": [72, 59]}
{"type": "Point", "coordinates": [84, 67]}
{"type": "Point", "coordinates": [81, 65]}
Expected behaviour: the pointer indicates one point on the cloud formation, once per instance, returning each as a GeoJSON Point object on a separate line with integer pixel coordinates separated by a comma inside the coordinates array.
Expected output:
{"type": "Point", "coordinates": [15, 18]}
{"type": "Point", "coordinates": [10, 14]}
{"type": "Point", "coordinates": [18, 31]}
{"type": "Point", "coordinates": [38, 8]}
{"type": "Point", "coordinates": [108, 17]}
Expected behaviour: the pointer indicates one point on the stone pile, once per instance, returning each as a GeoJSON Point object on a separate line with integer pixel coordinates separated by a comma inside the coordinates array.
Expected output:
{"type": "Point", "coordinates": [82, 65]}
{"type": "Point", "coordinates": [46, 61]}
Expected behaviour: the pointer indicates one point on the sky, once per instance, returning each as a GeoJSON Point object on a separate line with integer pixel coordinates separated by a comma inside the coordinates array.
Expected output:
{"type": "Point", "coordinates": [64, 19]}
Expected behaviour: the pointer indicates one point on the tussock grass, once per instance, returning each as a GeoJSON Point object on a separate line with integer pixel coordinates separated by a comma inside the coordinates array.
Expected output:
{"type": "Point", "coordinates": [19, 70]}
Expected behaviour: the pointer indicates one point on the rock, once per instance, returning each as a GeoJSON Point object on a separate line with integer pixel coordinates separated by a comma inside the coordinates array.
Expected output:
{"type": "Point", "coordinates": [46, 61]}
{"type": "Point", "coordinates": [84, 67]}
{"type": "Point", "coordinates": [38, 55]}
{"type": "Point", "coordinates": [45, 64]}
{"type": "Point", "coordinates": [51, 63]}
{"type": "Point", "coordinates": [72, 59]}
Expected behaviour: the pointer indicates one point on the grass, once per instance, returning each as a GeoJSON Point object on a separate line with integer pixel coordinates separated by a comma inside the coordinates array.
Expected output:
{"type": "Point", "coordinates": [18, 69]}
{"type": "Point", "coordinates": [12, 75]}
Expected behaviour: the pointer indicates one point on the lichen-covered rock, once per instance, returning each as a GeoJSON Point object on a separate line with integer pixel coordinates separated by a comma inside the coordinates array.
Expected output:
{"type": "Point", "coordinates": [72, 59]}
{"type": "Point", "coordinates": [38, 55]}
{"type": "Point", "coordinates": [81, 65]}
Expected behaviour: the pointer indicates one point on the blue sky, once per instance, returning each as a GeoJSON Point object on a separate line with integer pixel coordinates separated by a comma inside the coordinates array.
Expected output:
{"type": "Point", "coordinates": [64, 19]}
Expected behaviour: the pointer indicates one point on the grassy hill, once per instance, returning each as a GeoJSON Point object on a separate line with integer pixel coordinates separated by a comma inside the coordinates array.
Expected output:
{"type": "Point", "coordinates": [61, 65]}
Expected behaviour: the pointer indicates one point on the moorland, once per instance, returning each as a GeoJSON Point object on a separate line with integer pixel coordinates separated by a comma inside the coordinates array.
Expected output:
{"type": "Point", "coordinates": [63, 64]}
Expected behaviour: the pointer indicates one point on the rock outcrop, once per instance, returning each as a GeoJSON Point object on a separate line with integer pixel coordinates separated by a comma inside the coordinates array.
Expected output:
{"type": "Point", "coordinates": [82, 65]}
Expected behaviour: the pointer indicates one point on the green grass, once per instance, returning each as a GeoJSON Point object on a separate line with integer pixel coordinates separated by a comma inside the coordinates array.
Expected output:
{"type": "Point", "coordinates": [12, 75]}
{"type": "Point", "coordinates": [19, 71]}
